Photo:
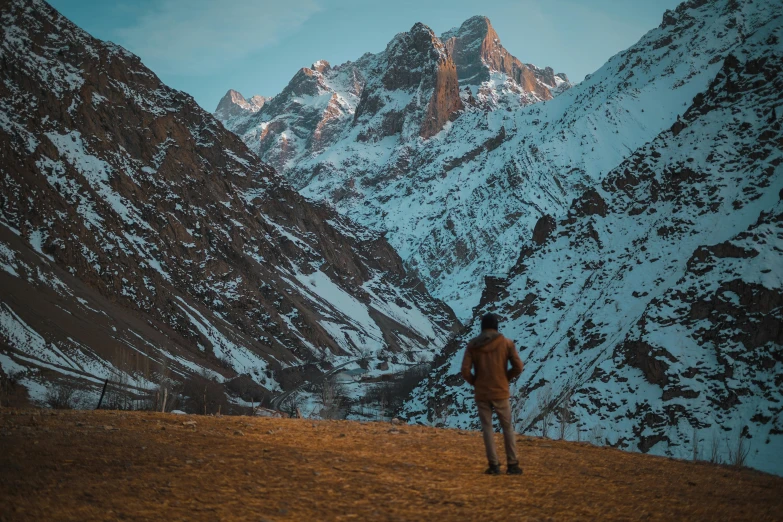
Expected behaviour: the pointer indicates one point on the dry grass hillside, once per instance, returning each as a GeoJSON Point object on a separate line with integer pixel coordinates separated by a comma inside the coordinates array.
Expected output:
{"type": "Point", "coordinates": [78, 465]}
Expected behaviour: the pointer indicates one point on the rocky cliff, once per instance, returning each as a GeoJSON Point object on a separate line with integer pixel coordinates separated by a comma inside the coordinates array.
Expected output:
{"type": "Point", "coordinates": [142, 241]}
{"type": "Point", "coordinates": [411, 89]}
{"type": "Point", "coordinates": [478, 53]}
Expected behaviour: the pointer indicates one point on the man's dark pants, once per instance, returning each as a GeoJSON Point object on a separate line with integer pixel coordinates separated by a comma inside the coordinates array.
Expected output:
{"type": "Point", "coordinates": [503, 410]}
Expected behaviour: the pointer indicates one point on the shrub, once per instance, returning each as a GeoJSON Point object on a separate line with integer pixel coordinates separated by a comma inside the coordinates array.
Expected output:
{"type": "Point", "coordinates": [564, 416]}
{"type": "Point", "coordinates": [118, 395]}
{"type": "Point", "coordinates": [738, 452]}
{"type": "Point", "coordinates": [63, 396]}
{"type": "Point", "coordinates": [333, 399]}
{"type": "Point", "coordinates": [545, 403]}
{"type": "Point", "coordinates": [291, 404]}
{"type": "Point", "coordinates": [715, 451]}
{"type": "Point", "coordinates": [390, 396]}
{"type": "Point", "coordinates": [203, 395]}
{"type": "Point", "coordinates": [12, 392]}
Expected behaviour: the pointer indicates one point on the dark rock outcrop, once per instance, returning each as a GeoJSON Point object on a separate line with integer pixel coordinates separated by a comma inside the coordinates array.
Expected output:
{"type": "Point", "coordinates": [543, 229]}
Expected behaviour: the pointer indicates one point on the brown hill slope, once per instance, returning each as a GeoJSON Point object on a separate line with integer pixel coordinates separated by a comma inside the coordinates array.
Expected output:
{"type": "Point", "coordinates": [110, 465]}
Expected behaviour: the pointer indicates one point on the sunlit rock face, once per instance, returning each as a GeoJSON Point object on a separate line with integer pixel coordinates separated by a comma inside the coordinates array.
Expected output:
{"type": "Point", "coordinates": [477, 52]}
{"type": "Point", "coordinates": [234, 104]}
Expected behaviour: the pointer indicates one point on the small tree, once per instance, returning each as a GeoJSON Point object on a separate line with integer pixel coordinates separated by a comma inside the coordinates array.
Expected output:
{"type": "Point", "coordinates": [597, 435]}
{"type": "Point", "coordinates": [365, 355]}
{"type": "Point", "coordinates": [9, 388]}
{"type": "Point", "coordinates": [544, 402]}
{"type": "Point", "coordinates": [443, 416]}
{"type": "Point", "coordinates": [715, 450]}
{"type": "Point", "coordinates": [383, 403]}
{"type": "Point", "coordinates": [331, 396]}
{"type": "Point", "coordinates": [165, 393]}
{"type": "Point", "coordinates": [204, 394]}
{"type": "Point", "coordinates": [291, 404]}
{"type": "Point", "coordinates": [564, 416]}
{"type": "Point", "coordinates": [738, 452]}
{"type": "Point", "coordinates": [63, 396]}
{"type": "Point", "coordinates": [118, 396]}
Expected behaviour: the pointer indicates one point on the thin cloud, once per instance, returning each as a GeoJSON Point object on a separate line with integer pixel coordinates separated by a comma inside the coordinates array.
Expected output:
{"type": "Point", "coordinates": [199, 37]}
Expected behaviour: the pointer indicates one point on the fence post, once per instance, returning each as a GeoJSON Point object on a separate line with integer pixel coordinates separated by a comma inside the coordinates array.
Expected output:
{"type": "Point", "coordinates": [165, 397]}
{"type": "Point", "coordinates": [100, 401]}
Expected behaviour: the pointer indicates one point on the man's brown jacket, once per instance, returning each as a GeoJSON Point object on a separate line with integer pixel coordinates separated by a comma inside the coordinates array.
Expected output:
{"type": "Point", "coordinates": [489, 354]}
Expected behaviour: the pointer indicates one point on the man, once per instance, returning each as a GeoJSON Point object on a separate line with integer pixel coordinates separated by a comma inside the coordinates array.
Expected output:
{"type": "Point", "coordinates": [490, 353]}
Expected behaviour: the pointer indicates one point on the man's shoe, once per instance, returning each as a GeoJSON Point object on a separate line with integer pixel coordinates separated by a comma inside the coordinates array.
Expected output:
{"type": "Point", "coordinates": [514, 469]}
{"type": "Point", "coordinates": [493, 469]}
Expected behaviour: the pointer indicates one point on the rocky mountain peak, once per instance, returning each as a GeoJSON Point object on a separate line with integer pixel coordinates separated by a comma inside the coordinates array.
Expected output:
{"type": "Point", "coordinates": [304, 83]}
{"type": "Point", "coordinates": [321, 66]}
{"type": "Point", "coordinates": [475, 28]}
{"type": "Point", "coordinates": [417, 45]}
{"type": "Point", "coordinates": [234, 104]}
{"type": "Point", "coordinates": [412, 88]}
{"type": "Point", "coordinates": [477, 52]}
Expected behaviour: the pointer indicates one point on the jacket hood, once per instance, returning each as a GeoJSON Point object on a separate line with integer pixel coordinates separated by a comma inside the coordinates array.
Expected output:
{"type": "Point", "coordinates": [483, 342]}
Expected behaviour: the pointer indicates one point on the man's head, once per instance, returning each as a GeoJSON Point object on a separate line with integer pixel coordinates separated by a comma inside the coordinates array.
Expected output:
{"type": "Point", "coordinates": [489, 322]}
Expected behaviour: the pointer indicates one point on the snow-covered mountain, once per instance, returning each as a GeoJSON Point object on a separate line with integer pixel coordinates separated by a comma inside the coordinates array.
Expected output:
{"type": "Point", "coordinates": [414, 84]}
{"type": "Point", "coordinates": [629, 226]}
{"type": "Point", "coordinates": [233, 104]}
{"type": "Point", "coordinates": [650, 315]}
{"type": "Point", "coordinates": [139, 238]}
{"type": "Point", "coordinates": [454, 204]}
{"type": "Point", "coordinates": [404, 142]}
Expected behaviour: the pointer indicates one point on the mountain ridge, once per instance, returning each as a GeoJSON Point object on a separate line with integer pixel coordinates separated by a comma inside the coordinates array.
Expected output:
{"type": "Point", "coordinates": [161, 248]}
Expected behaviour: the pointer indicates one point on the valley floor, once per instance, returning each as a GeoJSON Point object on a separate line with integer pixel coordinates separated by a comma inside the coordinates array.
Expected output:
{"type": "Point", "coordinates": [77, 465]}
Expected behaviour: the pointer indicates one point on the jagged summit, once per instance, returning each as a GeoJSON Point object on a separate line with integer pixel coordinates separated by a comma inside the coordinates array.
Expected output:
{"type": "Point", "coordinates": [321, 66]}
{"type": "Point", "coordinates": [234, 104]}
{"type": "Point", "coordinates": [477, 53]}
{"type": "Point", "coordinates": [410, 90]}
{"type": "Point", "coordinates": [475, 28]}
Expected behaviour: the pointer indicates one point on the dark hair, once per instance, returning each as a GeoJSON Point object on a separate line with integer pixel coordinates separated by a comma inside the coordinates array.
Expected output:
{"type": "Point", "coordinates": [489, 322]}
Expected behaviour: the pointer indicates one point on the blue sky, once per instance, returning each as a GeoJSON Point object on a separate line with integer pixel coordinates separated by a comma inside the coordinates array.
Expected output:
{"type": "Point", "coordinates": [205, 47]}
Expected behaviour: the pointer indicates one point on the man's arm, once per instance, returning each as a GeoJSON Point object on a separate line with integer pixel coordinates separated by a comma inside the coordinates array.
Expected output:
{"type": "Point", "coordinates": [516, 363]}
{"type": "Point", "coordinates": [467, 366]}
